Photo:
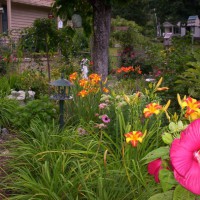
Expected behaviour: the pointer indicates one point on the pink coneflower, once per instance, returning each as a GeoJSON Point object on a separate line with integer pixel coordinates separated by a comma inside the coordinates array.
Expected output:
{"type": "Point", "coordinates": [185, 157]}
{"type": "Point", "coordinates": [105, 119]}
{"type": "Point", "coordinates": [154, 167]}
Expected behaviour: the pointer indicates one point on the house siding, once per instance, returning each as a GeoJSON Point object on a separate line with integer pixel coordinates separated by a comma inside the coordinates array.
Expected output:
{"type": "Point", "coordinates": [45, 3]}
{"type": "Point", "coordinates": [23, 15]}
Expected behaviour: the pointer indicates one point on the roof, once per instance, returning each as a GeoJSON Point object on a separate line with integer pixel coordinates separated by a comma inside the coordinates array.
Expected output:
{"type": "Point", "coordinates": [44, 3]}
{"type": "Point", "coordinates": [167, 24]}
{"type": "Point", "coordinates": [194, 17]}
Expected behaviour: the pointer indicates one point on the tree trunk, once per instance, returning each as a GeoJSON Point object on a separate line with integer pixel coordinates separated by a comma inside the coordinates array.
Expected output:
{"type": "Point", "coordinates": [101, 20]}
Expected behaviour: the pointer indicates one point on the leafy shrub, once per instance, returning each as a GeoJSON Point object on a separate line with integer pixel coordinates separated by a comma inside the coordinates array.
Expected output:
{"type": "Point", "coordinates": [42, 108]}
{"type": "Point", "coordinates": [30, 79]}
{"type": "Point", "coordinates": [189, 80]}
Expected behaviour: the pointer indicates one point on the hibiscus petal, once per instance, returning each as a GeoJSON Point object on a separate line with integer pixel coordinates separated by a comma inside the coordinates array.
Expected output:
{"type": "Point", "coordinates": [154, 166]}
{"type": "Point", "coordinates": [191, 181]}
{"type": "Point", "coordinates": [181, 158]}
{"type": "Point", "coordinates": [190, 137]}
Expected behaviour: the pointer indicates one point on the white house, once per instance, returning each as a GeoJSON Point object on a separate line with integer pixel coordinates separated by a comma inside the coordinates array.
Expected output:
{"type": "Point", "coordinates": [194, 25]}
{"type": "Point", "coordinates": [170, 30]}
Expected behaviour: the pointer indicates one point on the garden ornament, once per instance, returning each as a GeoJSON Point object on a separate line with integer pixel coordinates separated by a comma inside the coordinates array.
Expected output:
{"type": "Point", "coordinates": [18, 95]}
{"type": "Point", "coordinates": [62, 93]}
{"type": "Point", "coordinates": [31, 94]}
{"type": "Point", "coordinates": [84, 68]}
{"type": "Point", "coordinates": [21, 95]}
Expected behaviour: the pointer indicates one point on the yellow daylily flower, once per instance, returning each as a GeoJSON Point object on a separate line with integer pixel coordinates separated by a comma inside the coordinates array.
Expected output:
{"type": "Point", "coordinates": [133, 137]}
{"type": "Point", "coordinates": [152, 108]}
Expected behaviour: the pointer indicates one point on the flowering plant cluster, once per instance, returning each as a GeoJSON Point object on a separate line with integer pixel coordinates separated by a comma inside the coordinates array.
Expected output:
{"type": "Point", "coordinates": [129, 72]}
{"type": "Point", "coordinates": [87, 86]}
{"type": "Point", "coordinates": [178, 163]}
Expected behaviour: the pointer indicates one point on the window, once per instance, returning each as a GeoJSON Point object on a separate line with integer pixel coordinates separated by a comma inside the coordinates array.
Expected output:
{"type": "Point", "coordinates": [4, 20]}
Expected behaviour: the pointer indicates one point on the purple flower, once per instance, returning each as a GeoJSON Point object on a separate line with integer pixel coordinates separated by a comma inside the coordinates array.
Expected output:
{"type": "Point", "coordinates": [105, 119]}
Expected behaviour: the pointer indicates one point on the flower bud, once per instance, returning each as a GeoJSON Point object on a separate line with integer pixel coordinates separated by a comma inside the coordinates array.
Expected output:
{"type": "Point", "coordinates": [167, 138]}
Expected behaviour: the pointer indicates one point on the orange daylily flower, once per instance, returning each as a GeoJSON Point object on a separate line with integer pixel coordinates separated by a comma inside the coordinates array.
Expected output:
{"type": "Point", "coordinates": [73, 76]}
{"type": "Point", "coordinates": [192, 114]}
{"type": "Point", "coordinates": [152, 108]}
{"type": "Point", "coordinates": [94, 78]}
{"type": "Point", "coordinates": [106, 90]}
{"type": "Point", "coordinates": [83, 93]}
{"type": "Point", "coordinates": [83, 82]}
{"type": "Point", "coordinates": [133, 137]}
{"type": "Point", "coordinates": [191, 104]}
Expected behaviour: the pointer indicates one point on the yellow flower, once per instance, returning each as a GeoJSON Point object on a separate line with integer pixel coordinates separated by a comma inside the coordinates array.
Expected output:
{"type": "Point", "coordinates": [133, 137]}
{"type": "Point", "coordinates": [152, 108]}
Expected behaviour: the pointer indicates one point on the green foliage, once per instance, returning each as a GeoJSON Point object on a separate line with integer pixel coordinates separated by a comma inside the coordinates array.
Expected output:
{"type": "Point", "coordinates": [189, 79]}
{"type": "Point", "coordinates": [7, 109]}
{"type": "Point", "coordinates": [167, 179]}
{"type": "Point", "coordinates": [80, 43]}
{"type": "Point", "coordinates": [161, 152]}
{"type": "Point", "coordinates": [52, 164]}
{"type": "Point", "coordinates": [30, 80]}
{"type": "Point", "coordinates": [4, 86]}
{"type": "Point", "coordinates": [166, 195]}
{"type": "Point", "coordinates": [43, 33]}
{"type": "Point", "coordinates": [130, 37]}
{"type": "Point", "coordinates": [42, 109]}
{"type": "Point", "coordinates": [180, 193]}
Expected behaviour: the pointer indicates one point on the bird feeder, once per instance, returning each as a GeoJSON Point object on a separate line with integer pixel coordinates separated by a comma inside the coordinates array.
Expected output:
{"type": "Point", "coordinates": [61, 94]}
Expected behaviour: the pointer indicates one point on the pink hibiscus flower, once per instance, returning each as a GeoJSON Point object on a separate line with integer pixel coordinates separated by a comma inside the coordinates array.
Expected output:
{"type": "Point", "coordinates": [154, 167]}
{"type": "Point", "coordinates": [185, 157]}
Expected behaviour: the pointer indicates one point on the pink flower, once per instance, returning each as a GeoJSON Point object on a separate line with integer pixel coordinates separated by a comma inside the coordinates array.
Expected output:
{"type": "Point", "coordinates": [102, 106]}
{"type": "Point", "coordinates": [100, 126]}
{"type": "Point", "coordinates": [105, 119]}
{"type": "Point", "coordinates": [185, 157]}
{"type": "Point", "coordinates": [154, 167]}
